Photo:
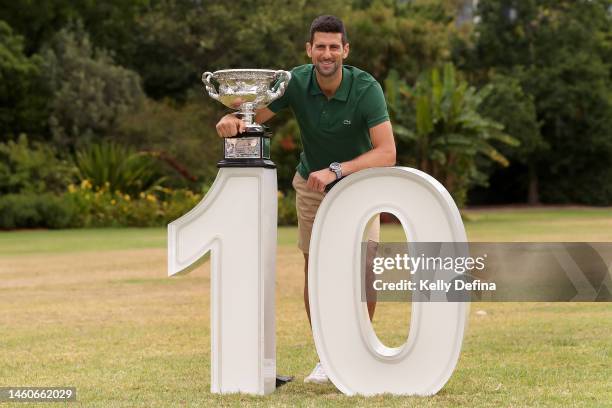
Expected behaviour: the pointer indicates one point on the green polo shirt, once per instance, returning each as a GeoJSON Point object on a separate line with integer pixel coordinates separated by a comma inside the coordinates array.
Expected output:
{"type": "Point", "coordinates": [335, 129]}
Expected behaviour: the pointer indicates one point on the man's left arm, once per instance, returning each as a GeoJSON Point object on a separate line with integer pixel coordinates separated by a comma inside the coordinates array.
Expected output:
{"type": "Point", "coordinates": [381, 155]}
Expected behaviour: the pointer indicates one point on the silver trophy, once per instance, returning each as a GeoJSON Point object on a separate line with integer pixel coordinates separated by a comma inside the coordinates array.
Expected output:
{"type": "Point", "coordinates": [246, 90]}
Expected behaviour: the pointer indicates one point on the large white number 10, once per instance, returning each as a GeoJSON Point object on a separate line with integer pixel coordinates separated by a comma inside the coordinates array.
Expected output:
{"type": "Point", "coordinates": [237, 222]}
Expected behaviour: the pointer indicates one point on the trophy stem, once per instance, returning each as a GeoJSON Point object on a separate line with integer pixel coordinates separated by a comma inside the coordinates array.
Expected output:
{"type": "Point", "coordinates": [248, 113]}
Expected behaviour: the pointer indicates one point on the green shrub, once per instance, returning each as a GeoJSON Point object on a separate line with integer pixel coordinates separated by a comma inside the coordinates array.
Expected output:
{"type": "Point", "coordinates": [90, 91]}
{"type": "Point", "coordinates": [36, 211]}
{"type": "Point", "coordinates": [86, 206]}
{"type": "Point", "coordinates": [287, 213]}
{"type": "Point", "coordinates": [116, 167]}
{"type": "Point", "coordinates": [102, 207]}
{"type": "Point", "coordinates": [32, 168]}
{"type": "Point", "coordinates": [18, 211]}
{"type": "Point", "coordinates": [184, 137]}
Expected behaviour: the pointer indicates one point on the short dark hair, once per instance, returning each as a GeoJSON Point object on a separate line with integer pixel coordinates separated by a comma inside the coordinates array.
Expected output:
{"type": "Point", "coordinates": [328, 24]}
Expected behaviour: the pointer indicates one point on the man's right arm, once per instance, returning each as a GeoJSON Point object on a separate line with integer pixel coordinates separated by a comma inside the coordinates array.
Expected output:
{"type": "Point", "coordinates": [230, 125]}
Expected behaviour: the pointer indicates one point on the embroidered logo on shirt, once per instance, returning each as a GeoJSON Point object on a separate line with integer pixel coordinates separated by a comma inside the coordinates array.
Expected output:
{"type": "Point", "coordinates": [347, 122]}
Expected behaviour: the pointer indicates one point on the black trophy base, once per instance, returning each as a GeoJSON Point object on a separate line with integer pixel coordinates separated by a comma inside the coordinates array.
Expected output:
{"type": "Point", "coordinates": [283, 379]}
{"type": "Point", "coordinates": [267, 163]}
{"type": "Point", "coordinates": [251, 162]}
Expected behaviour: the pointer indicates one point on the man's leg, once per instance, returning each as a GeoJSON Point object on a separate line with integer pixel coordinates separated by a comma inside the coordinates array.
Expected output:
{"type": "Point", "coordinates": [372, 237]}
{"type": "Point", "coordinates": [307, 202]}
{"type": "Point", "coordinates": [306, 300]}
{"type": "Point", "coordinates": [369, 278]}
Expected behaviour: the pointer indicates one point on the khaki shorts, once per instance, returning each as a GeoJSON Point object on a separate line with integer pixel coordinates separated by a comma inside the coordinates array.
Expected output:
{"type": "Point", "coordinates": [307, 203]}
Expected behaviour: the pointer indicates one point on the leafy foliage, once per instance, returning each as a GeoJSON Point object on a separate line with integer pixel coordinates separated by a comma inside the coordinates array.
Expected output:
{"type": "Point", "coordinates": [171, 45]}
{"type": "Point", "coordinates": [32, 168]}
{"type": "Point", "coordinates": [76, 73]}
{"type": "Point", "coordinates": [29, 210]}
{"type": "Point", "coordinates": [560, 53]}
{"type": "Point", "coordinates": [84, 206]}
{"type": "Point", "coordinates": [22, 93]}
{"type": "Point", "coordinates": [183, 135]}
{"type": "Point", "coordinates": [449, 132]}
{"type": "Point", "coordinates": [285, 150]}
{"type": "Point", "coordinates": [117, 168]}
{"type": "Point", "coordinates": [407, 36]}
{"type": "Point", "coordinates": [287, 212]}
{"type": "Point", "coordinates": [90, 91]}
{"type": "Point", "coordinates": [105, 207]}
{"type": "Point", "coordinates": [509, 105]}
{"type": "Point", "coordinates": [109, 22]}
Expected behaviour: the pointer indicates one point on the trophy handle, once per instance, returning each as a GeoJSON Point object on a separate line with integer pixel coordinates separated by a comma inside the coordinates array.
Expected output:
{"type": "Point", "coordinates": [210, 88]}
{"type": "Point", "coordinates": [286, 77]}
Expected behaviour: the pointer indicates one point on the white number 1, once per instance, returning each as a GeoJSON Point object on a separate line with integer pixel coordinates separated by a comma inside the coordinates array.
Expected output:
{"type": "Point", "coordinates": [236, 221]}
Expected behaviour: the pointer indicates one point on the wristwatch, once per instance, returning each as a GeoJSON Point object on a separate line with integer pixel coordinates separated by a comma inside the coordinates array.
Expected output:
{"type": "Point", "coordinates": [337, 169]}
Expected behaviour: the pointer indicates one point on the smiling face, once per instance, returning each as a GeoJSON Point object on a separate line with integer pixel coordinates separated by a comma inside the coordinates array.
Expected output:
{"type": "Point", "coordinates": [327, 52]}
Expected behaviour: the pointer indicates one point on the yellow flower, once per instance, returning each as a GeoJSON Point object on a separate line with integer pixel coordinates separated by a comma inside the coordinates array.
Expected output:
{"type": "Point", "coordinates": [71, 188]}
{"type": "Point", "coordinates": [151, 197]}
{"type": "Point", "coordinates": [113, 202]}
{"type": "Point", "coordinates": [127, 197]}
{"type": "Point", "coordinates": [86, 184]}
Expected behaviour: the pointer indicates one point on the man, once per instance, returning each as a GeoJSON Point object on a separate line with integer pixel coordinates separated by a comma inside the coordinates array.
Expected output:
{"type": "Point", "coordinates": [344, 126]}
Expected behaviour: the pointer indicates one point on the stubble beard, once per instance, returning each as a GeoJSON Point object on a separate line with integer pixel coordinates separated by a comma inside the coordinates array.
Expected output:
{"type": "Point", "coordinates": [327, 73]}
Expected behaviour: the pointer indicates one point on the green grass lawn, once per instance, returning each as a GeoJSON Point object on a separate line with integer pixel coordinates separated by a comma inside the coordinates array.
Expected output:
{"type": "Point", "coordinates": [94, 309]}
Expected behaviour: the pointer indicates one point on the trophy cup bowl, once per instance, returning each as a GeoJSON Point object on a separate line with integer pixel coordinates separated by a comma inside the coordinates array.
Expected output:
{"type": "Point", "coordinates": [246, 90]}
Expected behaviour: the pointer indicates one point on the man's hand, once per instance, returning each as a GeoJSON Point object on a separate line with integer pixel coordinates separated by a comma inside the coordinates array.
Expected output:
{"type": "Point", "coordinates": [230, 126]}
{"type": "Point", "coordinates": [319, 179]}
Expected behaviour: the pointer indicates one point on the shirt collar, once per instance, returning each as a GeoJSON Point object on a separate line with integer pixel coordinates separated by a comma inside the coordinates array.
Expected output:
{"type": "Point", "coordinates": [343, 90]}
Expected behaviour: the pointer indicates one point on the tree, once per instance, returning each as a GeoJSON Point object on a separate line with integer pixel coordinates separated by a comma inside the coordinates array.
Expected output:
{"type": "Point", "coordinates": [90, 92]}
{"type": "Point", "coordinates": [174, 42]}
{"type": "Point", "coordinates": [184, 136]}
{"type": "Point", "coordinates": [508, 105]}
{"type": "Point", "coordinates": [449, 134]}
{"type": "Point", "coordinates": [110, 22]}
{"type": "Point", "coordinates": [559, 51]}
{"type": "Point", "coordinates": [22, 92]}
{"type": "Point", "coordinates": [409, 37]}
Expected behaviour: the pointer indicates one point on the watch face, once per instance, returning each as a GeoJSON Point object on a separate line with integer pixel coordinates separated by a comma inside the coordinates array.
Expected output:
{"type": "Point", "coordinates": [336, 168]}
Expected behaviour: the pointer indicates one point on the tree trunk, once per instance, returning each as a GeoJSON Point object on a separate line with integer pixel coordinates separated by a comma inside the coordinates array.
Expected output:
{"type": "Point", "coordinates": [533, 194]}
